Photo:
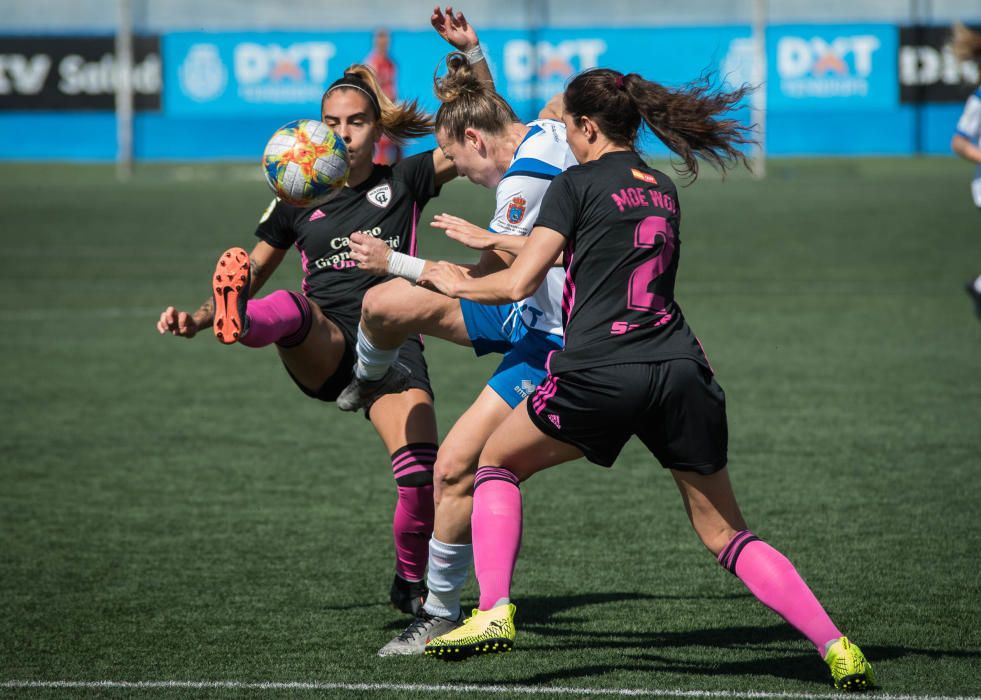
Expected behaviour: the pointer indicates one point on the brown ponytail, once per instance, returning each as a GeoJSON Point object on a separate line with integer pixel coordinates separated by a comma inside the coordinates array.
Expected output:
{"type": "Point", "coordinates": [467, 102]}
{"type": "Point", "coordinates": [687, 119]}
{"type": "Point", "coordinates": [399, 121]}
{"type": "Point", "coordinates": [966, 43]}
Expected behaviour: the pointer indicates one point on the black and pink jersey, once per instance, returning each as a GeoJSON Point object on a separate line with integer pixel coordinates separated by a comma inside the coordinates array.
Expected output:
{"type": "Point", "coordinates": [621, 220]}
{"type": "Point", "coordinates": [387, 205]}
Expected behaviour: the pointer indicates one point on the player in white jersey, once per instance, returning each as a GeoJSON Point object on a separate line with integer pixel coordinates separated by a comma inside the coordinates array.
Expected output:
{"type": "Point", "coordinates": [479, 132]}
{"type": "Point", "coordinates": [967, 139]}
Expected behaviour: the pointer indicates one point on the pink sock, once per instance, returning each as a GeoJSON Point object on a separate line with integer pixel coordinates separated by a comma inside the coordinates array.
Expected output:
{"type": "Point", "coordinates": [412, 526]}
{"type": "Point", "coordinates": [496, 527]}
{"type": "Point", "coordinates": [281, 317]}
{"type": "Point", "coordinates": [774, 581]}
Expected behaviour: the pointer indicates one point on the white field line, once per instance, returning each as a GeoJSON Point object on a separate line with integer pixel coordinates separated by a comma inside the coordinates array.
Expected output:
{"type": "Point", "coordinates": [455, 689]}
{"type": "Point", "coordinates": [53, 314]}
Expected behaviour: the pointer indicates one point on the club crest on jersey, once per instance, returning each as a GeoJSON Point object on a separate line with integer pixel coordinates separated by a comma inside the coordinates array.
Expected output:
{"type": "Point", "coordinates": [516, 210]}
{"type": "Point", "coordinates": [380, 196]}
{"type": "Point", "coordinates": [268, 212]}
{"type": "Point", "coordinates": [646, 177]}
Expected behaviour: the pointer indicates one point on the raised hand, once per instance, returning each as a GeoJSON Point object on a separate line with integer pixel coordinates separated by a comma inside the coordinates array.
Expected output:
{"type": "Point", "coordinates": [454, 28]}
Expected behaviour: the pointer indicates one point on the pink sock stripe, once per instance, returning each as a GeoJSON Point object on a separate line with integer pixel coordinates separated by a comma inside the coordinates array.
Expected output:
{"type": "Point", "coordinates": [494, 474]}
{"type": "Point", "coordinates": [410, 460]}
{"type": "Point", "coordinates": [730, 554]}
{"type": "Point", "coordinates": [400, 462]}
{"type": "Point", "coordinates": [413, 469]}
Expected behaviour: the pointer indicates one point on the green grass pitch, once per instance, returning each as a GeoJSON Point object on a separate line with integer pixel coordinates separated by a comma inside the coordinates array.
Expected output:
{"type": "Point", "coordinates": [174, 510]}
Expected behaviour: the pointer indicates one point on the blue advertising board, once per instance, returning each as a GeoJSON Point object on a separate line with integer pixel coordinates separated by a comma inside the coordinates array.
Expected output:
{"type": "Point", "coordinates": [831, 88]}
{"type": "Point", "coordinates": [254, 73]}
{"type": "Point", "coordinates": [832, 67]}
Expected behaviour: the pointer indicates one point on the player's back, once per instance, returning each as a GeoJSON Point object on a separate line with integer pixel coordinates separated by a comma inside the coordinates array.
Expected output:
{"type": "Point", "coordinates": [622, 221]}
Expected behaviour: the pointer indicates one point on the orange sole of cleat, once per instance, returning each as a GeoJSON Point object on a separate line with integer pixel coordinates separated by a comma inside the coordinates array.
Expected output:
{"type": "Point", "coordinates": [229, 283]}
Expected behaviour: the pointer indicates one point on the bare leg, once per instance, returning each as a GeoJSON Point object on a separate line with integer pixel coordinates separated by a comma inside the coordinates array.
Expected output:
{"type": "Point", "coordinates": [457, 463]}
{"type": "Point", "coordinates": [316, 359]}
{"type": "Point", "coordinates": [767, 573]}
{"type": "Point", "coordinates": [393, 311]}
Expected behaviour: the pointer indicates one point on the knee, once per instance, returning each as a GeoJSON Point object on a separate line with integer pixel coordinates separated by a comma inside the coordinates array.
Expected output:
{"type": "Point", "coordinates": [375, 307]}
{"type": "Point", "coordinates": [452, 476]}
{"type": "Point", "coordinates": [382, 306]}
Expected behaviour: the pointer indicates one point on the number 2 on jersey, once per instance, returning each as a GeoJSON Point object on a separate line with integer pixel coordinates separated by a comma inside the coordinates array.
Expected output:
{"type": "Point", "coordinates": [652, 232]}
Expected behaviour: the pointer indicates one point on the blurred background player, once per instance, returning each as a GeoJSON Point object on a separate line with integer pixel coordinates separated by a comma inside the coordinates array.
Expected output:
{"type": "Point", "coordinates": [315, 331]}
{"type": "Point", "coordinates": [967, 139]}
{"type": "Point", "coordinates": [387, 151]}
{"type": "Point", "coordinates": [479, 132]}
{"type": "Point", "coordinates": [631, 364]}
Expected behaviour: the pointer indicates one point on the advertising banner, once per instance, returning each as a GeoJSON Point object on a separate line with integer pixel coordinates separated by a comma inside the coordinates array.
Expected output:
{"type": "Point", "coordinates": [74, 73]}
{"type": "Point", "coordinates": [928, 69]}
{"type": "Point", "coordinates": [286, 73]}
{"type": "Point", "coordinates": [832, 67]}
{"type": "Point", "coordinates": [263, 73]}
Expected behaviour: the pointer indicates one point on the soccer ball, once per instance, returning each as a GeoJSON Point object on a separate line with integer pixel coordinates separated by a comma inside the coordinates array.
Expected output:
{"type": "Point", "coordinates": [305, 163]}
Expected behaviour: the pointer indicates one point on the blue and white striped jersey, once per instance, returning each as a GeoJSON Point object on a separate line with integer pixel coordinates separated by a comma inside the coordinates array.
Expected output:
{"type": "Point", "coordinates": [541, 156]}
{"type": "Point", "coordinates": [969, 126]}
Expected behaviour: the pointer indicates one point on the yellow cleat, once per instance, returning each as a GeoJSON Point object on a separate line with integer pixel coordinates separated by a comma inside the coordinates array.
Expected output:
{"type": "Point", "coordinates": [849, 668]}
{"type": "Point", "coordinates": [484, 632]}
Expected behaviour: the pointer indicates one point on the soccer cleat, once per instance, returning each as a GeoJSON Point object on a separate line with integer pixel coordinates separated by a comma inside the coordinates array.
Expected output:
{"type": "Point", "coordinates": [484, 632]}
{"type": "Point", "coordinates": [849, 668]}
{"type": "Point", "coordinates": [362, 393]}
{"type": "Point", "coordinates": [975, 295]}
{"type": "Point", "coordinates": [408, 596]}
{"type": "Point", "coordinates": [420, 631]}
{"type": "Point", "coordinates": [233, 276]}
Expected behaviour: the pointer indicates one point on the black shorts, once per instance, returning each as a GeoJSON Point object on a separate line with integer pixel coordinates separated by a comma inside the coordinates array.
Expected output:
{"type": "Point", "coordinates": [675, 407]}
{"type": "Point", "coordinates": [410, 355]}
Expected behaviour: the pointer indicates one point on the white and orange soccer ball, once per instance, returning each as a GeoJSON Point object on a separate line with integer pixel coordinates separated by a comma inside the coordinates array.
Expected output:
{"type": "Point", "coordinates": [305, 163]}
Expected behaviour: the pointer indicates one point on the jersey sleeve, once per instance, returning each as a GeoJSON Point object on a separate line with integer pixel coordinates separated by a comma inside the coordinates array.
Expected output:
{"type": "Point", "coordinates": [418, 172]}
{"type": "Point", "coordinates": [969, 125]}
{"type": "Point", "coordinates": [276, 226]}
{"type": "Point", "coordinates": [560, 207]}
{"type": "Point", "coordinates": [519, 200]}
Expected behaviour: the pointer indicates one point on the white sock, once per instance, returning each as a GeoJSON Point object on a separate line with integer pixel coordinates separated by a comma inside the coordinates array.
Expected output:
{"type": "Point", "coordinates": [449, 566]}
{"type": "Point", "coordinates": [977, 284]}
{"type": "Point", "coordinates": [372, 362]}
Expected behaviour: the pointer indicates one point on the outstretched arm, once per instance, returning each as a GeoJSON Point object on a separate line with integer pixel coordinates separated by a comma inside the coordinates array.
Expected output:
{"type": "Point", "coordinates": [477, 238]}
{"type": "Point", "coordinates": [516, 282]}
{"type": "Point", "coordinates": [375, 257]}
{"type": "Point", "coordinates": [461, 35]}
{"type": "Point", "coordinates": [264, 260]}
{"type": "Point", "coordinates": [965, 149]}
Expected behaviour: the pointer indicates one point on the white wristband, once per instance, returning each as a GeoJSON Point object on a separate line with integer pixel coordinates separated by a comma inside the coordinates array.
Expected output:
{"type": "Point", "coordinates": [405, 266]}
{"type": "Point", "coordinates": [474, 55]}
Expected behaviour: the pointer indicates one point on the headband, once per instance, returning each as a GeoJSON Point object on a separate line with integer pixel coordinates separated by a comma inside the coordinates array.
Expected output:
{"type": "Point", "coordinates": [618, 81]}
{"type": "Point", "coordinates": [355, 82]}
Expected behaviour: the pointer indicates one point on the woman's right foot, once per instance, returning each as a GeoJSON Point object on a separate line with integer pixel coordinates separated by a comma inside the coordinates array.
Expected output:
{"type": "Point", "coordinates": [231, 292]}
{"type": "Point", "coordinates": [849, 668]}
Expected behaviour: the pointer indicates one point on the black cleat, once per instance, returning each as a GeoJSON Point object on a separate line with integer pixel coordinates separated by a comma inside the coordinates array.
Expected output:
{"type": "Point", "coordinates": [408, 596]}
{"type": "Point", "coordinates": [361, 393]}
